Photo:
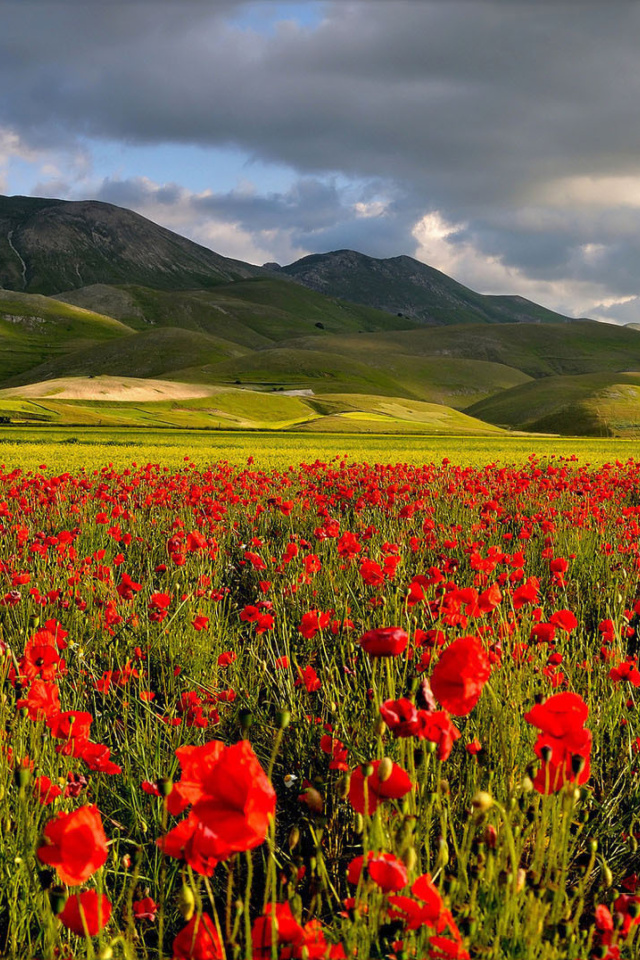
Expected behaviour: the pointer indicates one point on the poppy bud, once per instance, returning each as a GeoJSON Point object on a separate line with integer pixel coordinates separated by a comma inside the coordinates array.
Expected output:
{"type": "Point", "coordinates": [165, 786]}
{"type": "Point", "coordinates": [443, 852]}
{"type": "Point", "coordinates": [358, 823]}
{"type": "Point", "coordinates": [607, 876]}
{"type": "Point", "coordinates": [22, 775]}
{"type": "Point", "coordinates": [490, 836]}
{"type": "Point", "coordinates": [283, 719]}
{"type": "Point", "coordinates": [106, 953]}
{"type": "Point", "coordinates": [57, 899]}
{"type": "Point", "coordinates": [294, 838]}
{"type": "Point", "coordinates": [186, 901]}
{"type": "Point", "coordinates": [379, 726]}
{"type": "Point", "coordinates": [546, 753]}
{"type": "Point", "coordinates": [343, 786]}
{"type": "Point", "coordinates": [409, 858]}
{"type": "Point", "coordinates": [482, 801]}
{"type": "Point", "coordinates": [385, 769]}
{"type": "Point", "coordinates": [46, 878]}
{"type": "Point", "coordinates": [367, 768]}
{"type": "Point", "coordinates": [593, 846]}
{"type": "Point", "coordinates": [246, 719]}
{"type": "Point", "coordinates": [578, 763]}
{"type": "Point", "coordinates": [633, 909]}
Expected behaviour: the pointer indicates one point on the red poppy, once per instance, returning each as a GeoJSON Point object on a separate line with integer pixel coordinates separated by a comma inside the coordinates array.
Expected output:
{"type": "Point", "coordinates": [45, 790]}
{"type": "Point", "coordinates": [233, 801]}
{"type": "Point", "coordinates": [384, 641]}
{"type": "Point", "coordinates": [563, 745]}
{"type": "Point", "coordinates": [145, 909]}
{"type": "Point", "coordinates": [199, 940]}
{"type": "Point", "coordinates": [401, 716]}
{"type": "Point", "coordinates": [86, 913]}
{"type": "Point", "coordinates": [387, 872]}
{"type": "Point", "coordinates": [396, 785]}
{"type": "Point", "coordinates": [76, 845]}
{"type": "Point", "coordinates": [460, 674]}
{"type": "Point", "coordinates": [436, 726]}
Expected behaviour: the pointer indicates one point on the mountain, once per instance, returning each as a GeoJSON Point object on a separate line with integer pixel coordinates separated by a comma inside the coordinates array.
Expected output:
{"type": "Point", "coordinates": [50, 246]}
{"type": "Point", "coordinates": [409, 288]}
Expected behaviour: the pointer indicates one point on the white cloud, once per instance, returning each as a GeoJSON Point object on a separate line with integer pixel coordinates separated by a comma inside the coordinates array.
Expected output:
{"type": "Point", "coordinates": [439, 246]}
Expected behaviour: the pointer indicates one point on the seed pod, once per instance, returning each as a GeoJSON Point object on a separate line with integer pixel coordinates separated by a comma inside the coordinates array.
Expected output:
{"type": "Point", "coordinates": [186, 901]}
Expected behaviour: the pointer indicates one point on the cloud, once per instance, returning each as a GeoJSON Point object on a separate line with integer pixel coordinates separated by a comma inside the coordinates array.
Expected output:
{"type": "Point", "coordinates": [519, 122]}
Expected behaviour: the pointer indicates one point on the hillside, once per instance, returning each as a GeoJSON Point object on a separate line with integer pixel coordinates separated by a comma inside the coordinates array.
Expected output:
{"type": "Point", "coordinates": [603, 404]}
{"type": "Point", "coordinates": [35, 329]}
{"type": "Point", "coordinates": [49, 246]}
{"type": "Point", "coordinates": [407, 287]}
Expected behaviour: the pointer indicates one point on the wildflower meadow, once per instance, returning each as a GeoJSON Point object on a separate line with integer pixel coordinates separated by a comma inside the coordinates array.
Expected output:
{"type": "Point", "coordinates": [335, 710]}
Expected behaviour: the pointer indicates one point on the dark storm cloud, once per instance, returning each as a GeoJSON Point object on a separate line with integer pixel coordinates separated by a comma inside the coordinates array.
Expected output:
{"type": "Point", "coordinates": [470, 108]}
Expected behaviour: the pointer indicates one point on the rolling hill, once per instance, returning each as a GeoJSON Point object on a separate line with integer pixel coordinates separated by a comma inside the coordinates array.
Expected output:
{"type": "Point", "coordinates": [335, 342]}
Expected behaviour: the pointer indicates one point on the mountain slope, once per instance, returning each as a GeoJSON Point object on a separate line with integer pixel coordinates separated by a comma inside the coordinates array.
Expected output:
{"type": "Point", "coordinates": [402, 285]}
{"type": "Point", "coordinates": [49, 246]}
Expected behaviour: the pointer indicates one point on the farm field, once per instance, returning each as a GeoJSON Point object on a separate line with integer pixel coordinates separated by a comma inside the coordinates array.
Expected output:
{"type": "Point", "coordinates": [355, 699]}
{"type": "Point", "coordinates": [70, 448]}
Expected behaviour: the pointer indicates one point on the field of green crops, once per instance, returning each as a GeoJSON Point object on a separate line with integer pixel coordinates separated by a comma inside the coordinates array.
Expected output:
{"type": "Point", "coordinates": [63, 449]}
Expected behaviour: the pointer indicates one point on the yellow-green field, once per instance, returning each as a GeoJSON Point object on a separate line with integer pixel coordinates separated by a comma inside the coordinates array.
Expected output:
{"type": "Point", "coordinates": [71, 449]}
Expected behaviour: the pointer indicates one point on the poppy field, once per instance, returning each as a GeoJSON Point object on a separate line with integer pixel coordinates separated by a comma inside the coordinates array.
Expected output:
{"type": "Point", "coordinates": [331, 710]}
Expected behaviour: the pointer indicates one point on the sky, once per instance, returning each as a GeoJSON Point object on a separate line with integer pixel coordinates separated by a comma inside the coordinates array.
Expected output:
{"type": "Point", "coordinates": [496, 140]}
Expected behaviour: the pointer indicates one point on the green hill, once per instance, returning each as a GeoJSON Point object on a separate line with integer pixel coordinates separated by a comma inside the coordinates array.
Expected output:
{"type": "Point", "coordinates": [34, 328]}
{"type": "Point", "coordinates": [603, 404]}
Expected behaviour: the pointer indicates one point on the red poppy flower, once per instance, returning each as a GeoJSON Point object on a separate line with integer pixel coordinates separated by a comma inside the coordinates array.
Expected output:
{"type": "Point", "coordinates": [387, 872]}
{"type": "Point", "coordinates": [401, 716]}
{"type": "Point", "coordinates": [76, 845]}
{"type": "Point", "coordinates": [233, 801]}
{"type": "Point", "coordinates": [460, 674]}
{"type": "Point", "coordinates": [45, 790]}
{"type": "Point", "coordinates": [564, 619]}
{"type": "Point", "coordinates": [436, 726]}
{"type": "Point", "coordinates": [384, 641]}
{"type": "Point", "coordinates": [145, 909]}
{"type": "Point", "coordinates": [395, 786]}
{"type": "Point", "coordinates": [199, 940]}
{"type": "Point", "coordinates": [88, 910]}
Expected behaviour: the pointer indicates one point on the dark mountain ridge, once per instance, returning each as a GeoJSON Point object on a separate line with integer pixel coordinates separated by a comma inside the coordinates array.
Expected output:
{"type": "Point", "coordinates": [402, 285]}
{"type": "Point", "coordinates": [51, 246]}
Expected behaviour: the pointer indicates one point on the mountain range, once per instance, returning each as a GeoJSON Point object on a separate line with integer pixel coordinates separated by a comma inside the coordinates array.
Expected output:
{"type": "Point", "coordinates": [90, 292]}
